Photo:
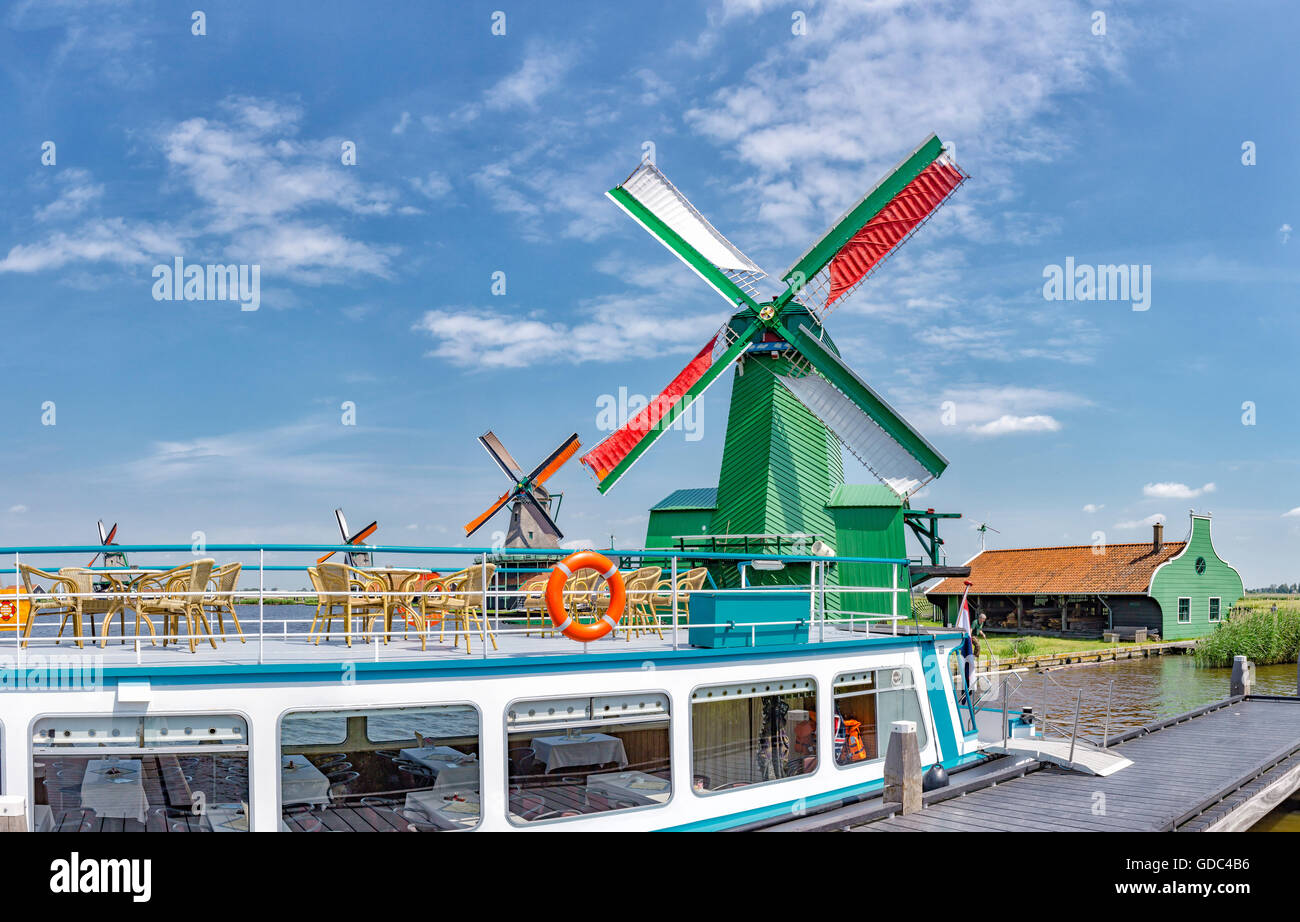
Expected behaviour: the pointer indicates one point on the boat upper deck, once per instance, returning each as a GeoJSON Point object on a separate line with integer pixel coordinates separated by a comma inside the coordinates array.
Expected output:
{"type": "Point", "coordinates": [444, 610]}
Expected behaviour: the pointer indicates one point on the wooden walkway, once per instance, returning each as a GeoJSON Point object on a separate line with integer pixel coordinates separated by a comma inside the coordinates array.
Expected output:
{"type": "Point", "coordinates": [1185, 774]}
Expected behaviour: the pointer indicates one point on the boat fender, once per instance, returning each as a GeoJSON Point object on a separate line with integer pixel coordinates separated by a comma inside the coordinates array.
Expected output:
{"type": "Point", "coordinates": [935, 778]}
{"type": "Point", "coordinates": [565, 623]}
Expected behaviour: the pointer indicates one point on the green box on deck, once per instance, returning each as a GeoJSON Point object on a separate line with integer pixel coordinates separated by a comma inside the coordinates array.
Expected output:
{"type": "Point", "coordinates": [750, 618]}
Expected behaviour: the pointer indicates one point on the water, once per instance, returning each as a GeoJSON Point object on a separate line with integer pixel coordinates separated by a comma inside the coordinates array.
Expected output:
{"type": "Point", "coordinates": [1145, 691]}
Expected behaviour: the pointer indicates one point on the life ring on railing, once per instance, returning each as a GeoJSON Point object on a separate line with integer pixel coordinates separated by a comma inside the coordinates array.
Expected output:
{"type": "Point", "coordinates": [560, 617]}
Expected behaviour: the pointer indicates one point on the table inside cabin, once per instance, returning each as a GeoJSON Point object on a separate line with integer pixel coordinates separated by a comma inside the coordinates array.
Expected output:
{"type": "Point", "coordinates": [581, 749]}
{"type": "Point", "coordinates": [304, 783]}
{"type": "Point", "coordinates": [230, 819]}
{"type": "Point", "coordinates": [115, 787]}
{"type": "Point", "coordinates": [451, 767]}
{"type": "Point", "coordinates": [443, 811]}
{"type": "Point", "coordinates": [637, 787]}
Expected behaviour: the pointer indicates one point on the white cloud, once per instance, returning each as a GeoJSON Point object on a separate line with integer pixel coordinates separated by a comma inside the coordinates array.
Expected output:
{"type": "Point", "coordinates": [543, 69]}
{"type": "Point", "coordinates": [1293, 514]}
{"type": "Point", "coordinates": [614, 329]}
{"type": "Point", "coordinates": [77, 194]}
{"type": "Point", "coordinates": [18, 509]}
{"type": "Point", "coordinates": [433, 186]}
{"type": "Point", "coordinates": [108, 240]}
{"type": "Point", "coordinates": [1094, 507]}
{"type": "Point", "coordinates": [1285, 232]}
{"type": "Point", "coordinates": [1175, 490]}
{"type": "Point", "coordinates": [1150, 520]}
{"type": "Point", "coordinates": [1008, 424]}
{"type": "Point", "coordinates": [402, 123]}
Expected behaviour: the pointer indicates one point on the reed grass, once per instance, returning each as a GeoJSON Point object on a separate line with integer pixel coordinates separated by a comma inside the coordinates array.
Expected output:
{"type": "Point", "coordinates": [1255, 631]}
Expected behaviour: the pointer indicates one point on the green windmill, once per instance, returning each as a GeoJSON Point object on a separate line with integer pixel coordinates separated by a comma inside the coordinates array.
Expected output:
{"type": "Point", "coordinates": [795, 399]}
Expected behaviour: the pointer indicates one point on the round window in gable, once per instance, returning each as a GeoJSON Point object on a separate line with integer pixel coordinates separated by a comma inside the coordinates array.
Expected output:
{"type": "Point", "coordinates": [1200, 566]}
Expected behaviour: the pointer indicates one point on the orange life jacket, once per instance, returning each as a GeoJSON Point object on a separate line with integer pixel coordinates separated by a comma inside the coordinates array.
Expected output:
{"type": "Point", "coordinates": [854, 750]}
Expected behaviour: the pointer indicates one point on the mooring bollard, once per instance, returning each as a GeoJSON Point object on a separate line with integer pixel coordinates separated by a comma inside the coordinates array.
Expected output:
{"type": "Point", "coordinates": [13, 813]}
{"type": "Point", "coordinates": [1242, 676]}
{"type": "Point", "coordinates": [903, 767]}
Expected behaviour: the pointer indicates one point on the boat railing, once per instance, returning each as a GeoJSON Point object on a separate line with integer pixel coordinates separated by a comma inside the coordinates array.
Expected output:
{"type": "Point", "coordinates": [1070, 731]}
{"type": "Point", "coordinates": [501, 611]}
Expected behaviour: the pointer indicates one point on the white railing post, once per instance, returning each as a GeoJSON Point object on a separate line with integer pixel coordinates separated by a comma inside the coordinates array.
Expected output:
{"type": "Point", "coordinates": [812, 602]}
{"type": "Point", "coordinates": [894, 599]}
{"type": "Point", "coordinates": [261, 604]}
{"type": "Point", "coordinates": [483, 621]}
{"type": "Point", "coordinates": [673, 579]}
{"type": "Point", "coordinates": [19, 586]}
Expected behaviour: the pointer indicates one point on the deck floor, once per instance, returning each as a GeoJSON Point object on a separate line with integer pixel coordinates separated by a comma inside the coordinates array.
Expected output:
{"type": "Point", "coordinates": [289, 643]}
{"type": "Point", "coordinates": [1174, 770]}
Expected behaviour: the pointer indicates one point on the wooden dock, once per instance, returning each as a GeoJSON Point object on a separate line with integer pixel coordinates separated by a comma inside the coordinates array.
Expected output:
{"type": "Point", "coordinates": [1218, 768]}
{"type": "Point", "coordinates": [1190, 774]}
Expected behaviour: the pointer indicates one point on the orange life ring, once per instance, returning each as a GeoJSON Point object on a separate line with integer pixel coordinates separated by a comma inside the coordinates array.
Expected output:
{"type": "Point", "coordinates": [10, 607]}
{"type": "Point", "coordinates": [560, 617]}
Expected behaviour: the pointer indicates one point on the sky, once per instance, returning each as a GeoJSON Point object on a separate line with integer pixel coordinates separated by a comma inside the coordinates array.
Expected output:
{"type": "Point", "coordinates": [421, 188]}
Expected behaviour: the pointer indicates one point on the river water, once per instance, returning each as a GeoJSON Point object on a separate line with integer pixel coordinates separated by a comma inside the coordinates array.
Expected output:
{"type": "Point", "coordinates": [1144, 691]}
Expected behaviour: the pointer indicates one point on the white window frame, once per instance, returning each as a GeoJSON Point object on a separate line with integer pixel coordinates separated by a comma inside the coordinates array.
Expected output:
{"type": "Point", "coordinates": [1214, 617]}
{"type": "Point", "coordinates": [1181, 600]}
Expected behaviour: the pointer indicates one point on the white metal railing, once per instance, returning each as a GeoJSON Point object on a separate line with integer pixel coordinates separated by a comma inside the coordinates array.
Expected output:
{"type": "Point", "coordinates": [494, 613]}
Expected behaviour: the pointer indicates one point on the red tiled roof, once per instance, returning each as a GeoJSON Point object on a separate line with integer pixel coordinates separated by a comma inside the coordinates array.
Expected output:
{"type": "Point", "coordinates": [1123, 568]}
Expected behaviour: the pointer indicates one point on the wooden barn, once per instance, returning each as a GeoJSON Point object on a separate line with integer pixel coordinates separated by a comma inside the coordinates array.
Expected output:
{"type": "Point", "coordinates": [1171, 589]}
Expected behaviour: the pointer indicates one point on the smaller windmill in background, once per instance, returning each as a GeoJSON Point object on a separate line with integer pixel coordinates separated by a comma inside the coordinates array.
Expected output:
{"type": "Point", "coordinates": [531, 521]}
{"type": "Point", "coordinates": [983, 528]}
{"type": "Point", "coordinates": [111, 558]}
{"type": "Point", "coordinates": [354, 558]}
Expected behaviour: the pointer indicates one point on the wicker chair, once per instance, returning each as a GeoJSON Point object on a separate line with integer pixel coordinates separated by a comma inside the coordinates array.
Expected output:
{"type": "Point", "coordinates": [458, 597]}
{"type": "Point", "coordinates": [638, 612]}
{"type": "Point", "coordinates": [56, 601]}
{"type": "Point", "coordinates": [338, 580]}
{"type": "Point", "coordinates": [661, 599]}
{"type": "Point", "coordinates": [534, 603]}
{"type": "Point", "coordinates": [92, 604]}
{"type": "Point", "coordinates": [324, 600]}
{"type": "Point", "coordinates": [222, 599]}
{"type": "Point", "coordinates": [174, 594]}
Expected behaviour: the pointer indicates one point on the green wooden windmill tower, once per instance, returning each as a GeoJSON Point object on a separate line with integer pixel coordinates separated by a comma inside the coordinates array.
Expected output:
{"type": "Point", "coordinates": [795, 400]}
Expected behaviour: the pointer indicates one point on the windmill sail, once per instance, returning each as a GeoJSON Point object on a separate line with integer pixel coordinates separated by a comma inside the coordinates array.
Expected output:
{"type": "Point", "coordinates": [874, 227]}
{"type": "Point", "coordinates": [617, 452]}
{"type": "Point", "coordinates": [861, 419]}
{"type": "Point", "coordinates": [888, 460]}
{"type": "Point", "coordinates": [654, 203]}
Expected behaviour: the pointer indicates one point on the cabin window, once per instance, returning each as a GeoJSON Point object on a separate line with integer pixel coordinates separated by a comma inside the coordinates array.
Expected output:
{"type": "Point", "coordinates": [866, 705]}
{"type": "Point", "coordinates": [176, 773]}
{"type": "Point", "coordinates": [570, 757]}
{"type": "Point", "coordinates": [1184, 610]}
{"type": "Point", "coordinates": [398, 769]}
{"type": "Point", "coordinates": [752, 733]}
{"type": "Point", "coordinates": [1214, 609]}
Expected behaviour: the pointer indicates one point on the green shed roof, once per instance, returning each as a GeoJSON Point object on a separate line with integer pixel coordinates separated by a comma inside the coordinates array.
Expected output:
{"type": "Point", "coordinates": [693, 498]}
{"type": "Point", "coordinates": [858, 495]}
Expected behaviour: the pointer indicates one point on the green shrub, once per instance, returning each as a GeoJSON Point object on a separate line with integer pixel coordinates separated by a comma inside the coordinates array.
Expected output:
{"type": "Point", "coordinates": [1263, 637]}
{"type": "Point", "coordinates": [1021, 646]}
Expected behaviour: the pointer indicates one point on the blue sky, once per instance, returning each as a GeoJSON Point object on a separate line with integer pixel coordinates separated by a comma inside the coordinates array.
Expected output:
{"type": "Point", "coordinates": [479, 153]}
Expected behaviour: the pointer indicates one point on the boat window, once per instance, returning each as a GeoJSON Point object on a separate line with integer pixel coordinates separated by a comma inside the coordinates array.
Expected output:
{"type": "Point", "coordinates": [398, 769]}
{"type": "Point", "coordinates": [174, 773]}
{"type": "Point", "coordinates": [752, 733]}
{"type": "Point", "coordinates": [866, 705]}
{"type": "Point", "coordinates": [570, 757]}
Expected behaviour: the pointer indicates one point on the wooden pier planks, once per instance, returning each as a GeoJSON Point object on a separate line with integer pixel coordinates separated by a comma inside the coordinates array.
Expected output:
{"type": "Point", "coordinates": [1175, 771]}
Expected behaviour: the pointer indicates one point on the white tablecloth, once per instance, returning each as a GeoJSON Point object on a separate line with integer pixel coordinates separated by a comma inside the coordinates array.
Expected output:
{"type": "Point", "coordinates": [637, 787]}
{"type": "Point", "coordinates": [452, 768]}
{"type": "Point", "coordinates": [455, 814]}
{"type": "Point", "coordinates": [582, 749]}
{"type": "Point", "coordinates": [304, 783]}
{"type": "Point", "coordinates": [223, 819]}
{"type": "Point", "coordinates": [120, 795]}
